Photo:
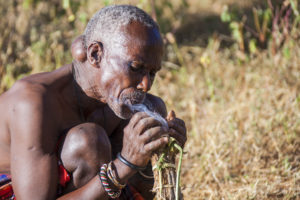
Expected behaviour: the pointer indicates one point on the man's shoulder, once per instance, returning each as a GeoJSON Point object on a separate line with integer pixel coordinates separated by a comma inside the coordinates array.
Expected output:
{"type": "Point", "coordinates": [157, 104]}
{"type": "Point", "coordinates": [26, 96]}
{"type": "Point", "coordinates": [37, 86]}
{"type": "Point", "coordinates": [24, 90]}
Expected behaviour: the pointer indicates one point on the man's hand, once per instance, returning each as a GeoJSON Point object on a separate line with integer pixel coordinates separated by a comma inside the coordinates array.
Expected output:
{"type": "Point", "coordinates": [142, 136]}
{"type": "Point", "coordinates": [177, 128]}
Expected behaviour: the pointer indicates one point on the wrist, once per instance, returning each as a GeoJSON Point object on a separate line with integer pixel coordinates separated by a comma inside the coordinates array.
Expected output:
{"type": "Point", "coordinates": [123, 171]}
{"type": "Point", "coordinates": [129, 164]}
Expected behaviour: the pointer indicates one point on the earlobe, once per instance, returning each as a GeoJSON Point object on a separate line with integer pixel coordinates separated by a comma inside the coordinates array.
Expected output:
{"type": "Point", "coordinates": [94, 53]}
{"type": "Point", "coordinates": [78, 50]}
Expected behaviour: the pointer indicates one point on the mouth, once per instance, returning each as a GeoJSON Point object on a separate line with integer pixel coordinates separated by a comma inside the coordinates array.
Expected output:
{"type": "Point", "coordinates": [130, 102]}
{"type": "Point", "coordinates": [135, 97]}
{"type": "Point", "coordinates": [123, 105]}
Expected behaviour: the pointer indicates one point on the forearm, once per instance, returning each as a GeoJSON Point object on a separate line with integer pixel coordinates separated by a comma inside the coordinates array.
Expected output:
{"type": "Point", "coordinates": [94, 189]}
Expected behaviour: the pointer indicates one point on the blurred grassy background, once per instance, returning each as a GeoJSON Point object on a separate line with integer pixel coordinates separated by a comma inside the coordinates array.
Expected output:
{"type": "Point", "coordinates": [231, 71]}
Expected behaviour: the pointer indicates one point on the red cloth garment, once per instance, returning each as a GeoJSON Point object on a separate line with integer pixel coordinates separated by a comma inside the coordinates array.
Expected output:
{"type": "Point", "coordinates": [6, 191]}
{"type": "Point", "coordinates": [64, 176]}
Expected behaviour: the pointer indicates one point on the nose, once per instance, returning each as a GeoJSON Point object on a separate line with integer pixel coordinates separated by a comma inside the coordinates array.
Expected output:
{"type": "Point", "coordinates": [145, 83]}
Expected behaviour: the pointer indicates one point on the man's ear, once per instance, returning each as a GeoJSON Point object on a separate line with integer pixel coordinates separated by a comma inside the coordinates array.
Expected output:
{"type": "Point", "coordinates": [94, 53]}
{"type": "Point", "coordinates": [78, 50]}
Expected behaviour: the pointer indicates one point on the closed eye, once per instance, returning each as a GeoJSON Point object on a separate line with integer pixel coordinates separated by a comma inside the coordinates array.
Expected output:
{"type": "Point", "coordinates": [135, 67]}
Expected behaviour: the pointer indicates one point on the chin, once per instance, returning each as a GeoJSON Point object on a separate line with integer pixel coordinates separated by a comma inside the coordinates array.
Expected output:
{"type": "Point", "coordinates": [121, 110]}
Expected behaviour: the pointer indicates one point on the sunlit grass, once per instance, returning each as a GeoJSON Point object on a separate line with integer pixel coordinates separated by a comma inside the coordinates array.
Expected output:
{"type": "Point", "coordinates": [243, 119]}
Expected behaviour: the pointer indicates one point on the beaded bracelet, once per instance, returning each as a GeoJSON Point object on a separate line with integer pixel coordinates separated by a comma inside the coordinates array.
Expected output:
{"type": "Point", "coordinates": [103, 177]}
{"type": "Point", "coordinates": [129, 164]}
{"type": "Point", "coordinates": [113, 178]}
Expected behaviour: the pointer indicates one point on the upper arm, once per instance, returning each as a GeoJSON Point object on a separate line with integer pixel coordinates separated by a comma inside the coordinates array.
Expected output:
{"type": "Point", "coordinates": [33, 162]}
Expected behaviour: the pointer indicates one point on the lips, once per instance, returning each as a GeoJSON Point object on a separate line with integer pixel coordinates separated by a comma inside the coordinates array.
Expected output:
{"type": "Point", "coordinates": [135, 97]}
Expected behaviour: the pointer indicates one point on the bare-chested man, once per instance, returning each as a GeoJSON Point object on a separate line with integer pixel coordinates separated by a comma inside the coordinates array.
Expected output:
{"type": "Point", "coordinates": [58, 128]}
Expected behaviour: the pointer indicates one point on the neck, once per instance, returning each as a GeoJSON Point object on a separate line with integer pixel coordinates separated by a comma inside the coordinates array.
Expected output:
{"type": "Point", "coordinates": [86, 91]}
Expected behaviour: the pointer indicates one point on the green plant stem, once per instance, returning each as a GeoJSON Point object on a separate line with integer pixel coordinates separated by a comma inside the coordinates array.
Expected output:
{"type": "Point", "coordinates": [178, 169]}
{"type": "Point", "coordinates": [161, 165]}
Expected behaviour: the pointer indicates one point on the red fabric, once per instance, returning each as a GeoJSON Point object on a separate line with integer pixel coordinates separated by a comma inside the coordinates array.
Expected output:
{"type": "Point", "coordinates": [135, 194]}
{"type": "Point", "coordinates": [64, 176]}
{"type": "Point", "coordinates": [129, 193]}
{"type": "Point", "coordinates": [6, 192]}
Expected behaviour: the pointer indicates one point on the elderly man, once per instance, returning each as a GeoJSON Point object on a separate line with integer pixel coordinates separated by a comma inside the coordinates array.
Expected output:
{"type": "Point", "coordinates": [70, 133]}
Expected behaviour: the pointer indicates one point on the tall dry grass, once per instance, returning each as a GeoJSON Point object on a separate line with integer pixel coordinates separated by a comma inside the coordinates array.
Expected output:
{"type": "Point", "coordinates": [243, 119]}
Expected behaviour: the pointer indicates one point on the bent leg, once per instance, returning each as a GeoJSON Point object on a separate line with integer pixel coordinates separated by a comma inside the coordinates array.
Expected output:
{"type": "Point", "coordinates": [85, 148]}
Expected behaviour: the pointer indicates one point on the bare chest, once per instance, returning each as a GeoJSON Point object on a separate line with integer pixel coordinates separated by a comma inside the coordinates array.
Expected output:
{"type": "Point", "coordinates": [103, 116]}
{"type": "Point", "coordinates": [106, 118]}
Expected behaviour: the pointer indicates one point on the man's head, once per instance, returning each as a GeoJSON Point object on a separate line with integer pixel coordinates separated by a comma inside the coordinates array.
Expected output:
{"type": "Point", "coordinates": [124, 47]}
{"type": "Point", "coordinates": [110, 19]}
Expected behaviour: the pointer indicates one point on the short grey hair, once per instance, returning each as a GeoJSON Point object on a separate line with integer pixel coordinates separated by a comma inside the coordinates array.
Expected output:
{"type": "Point", "coordinates": [109, 19]}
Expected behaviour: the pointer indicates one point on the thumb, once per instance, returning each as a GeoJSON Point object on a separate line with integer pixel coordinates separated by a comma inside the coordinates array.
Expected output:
{"type": "Point", "coordinates": [171, 115]}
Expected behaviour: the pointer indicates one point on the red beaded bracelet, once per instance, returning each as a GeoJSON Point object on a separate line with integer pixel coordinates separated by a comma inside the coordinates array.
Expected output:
{"type": "Point", "coordinates": [103, 177]}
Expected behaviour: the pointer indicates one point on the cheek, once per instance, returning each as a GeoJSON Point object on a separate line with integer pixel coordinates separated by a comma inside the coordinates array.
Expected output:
{"type": "Point", "coordinates": [113, 83]}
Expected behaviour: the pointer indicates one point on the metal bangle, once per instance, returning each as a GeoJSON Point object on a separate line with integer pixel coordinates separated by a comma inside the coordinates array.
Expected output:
{"type": "Point", "coordinates": [132, 166]}
{"type": "Point", "coordinates": [145, 175]}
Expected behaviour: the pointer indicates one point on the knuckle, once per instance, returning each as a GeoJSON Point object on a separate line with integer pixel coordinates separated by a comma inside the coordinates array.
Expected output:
{"type": "Point", "coordinates": [134, 117]}
{"type": "Point", "coordinates": [146, 120]}
{"type": "Point", "coordinates": [152, 120]}
{"type": "Point", "coordinates": [162, 129]}
{"type": "Point", "coordinates": [151, 133]}
{"type": "Point", "coordinates": [180, 121]}
{"type": "Point", "coordinates": [148, 134]}
{"type": "Point", "coordinates": [161, 141]}
{"type": "Point", "coordinates": [149, 147]}
{"type": "Point", "coordinates": [138, 115]}
{"type": "Point", "coordinates": [142, 151]}
{"type": "Point", "coordinates": [126, 130]}
{"type": "Point", "coordinates": [143, 122]}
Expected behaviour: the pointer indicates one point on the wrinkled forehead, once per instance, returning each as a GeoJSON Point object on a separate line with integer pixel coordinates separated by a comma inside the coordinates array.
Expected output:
{"type": "Point", "coordinates": [136, 38]}
{"type": "Point", "coordinates": [139, 32]}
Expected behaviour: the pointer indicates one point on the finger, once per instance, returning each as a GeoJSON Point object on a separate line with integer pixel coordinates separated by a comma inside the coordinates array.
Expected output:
{"type": "Point", "coordinates": [179, 121]}
{"type": "Point", "coordinates": [137, 117]}
{"type": "Point", "coordinates": [171, 115]}
{"type": "Point", "coordinates": [181, 129]}
{"type": "Point", "coordinates": [146, 123]}
{"type": "Point", "coordinates": [180, 138]}
{"type": "Point", "coordinates": [153, 133]}
{"type": "Point", "coordinates": [156, 144]}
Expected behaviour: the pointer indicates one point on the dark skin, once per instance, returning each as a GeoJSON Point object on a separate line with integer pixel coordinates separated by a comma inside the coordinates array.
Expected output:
{"type": "Point", "coordinates": [41, 108]}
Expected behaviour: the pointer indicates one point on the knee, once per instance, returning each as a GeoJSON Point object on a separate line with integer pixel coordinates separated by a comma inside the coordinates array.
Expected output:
{"type": "Point", "coordinates": [86, 143]}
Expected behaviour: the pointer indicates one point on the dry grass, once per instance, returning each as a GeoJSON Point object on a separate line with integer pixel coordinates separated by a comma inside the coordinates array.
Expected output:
{"type": "Point", "coordinates": [243, 119]}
